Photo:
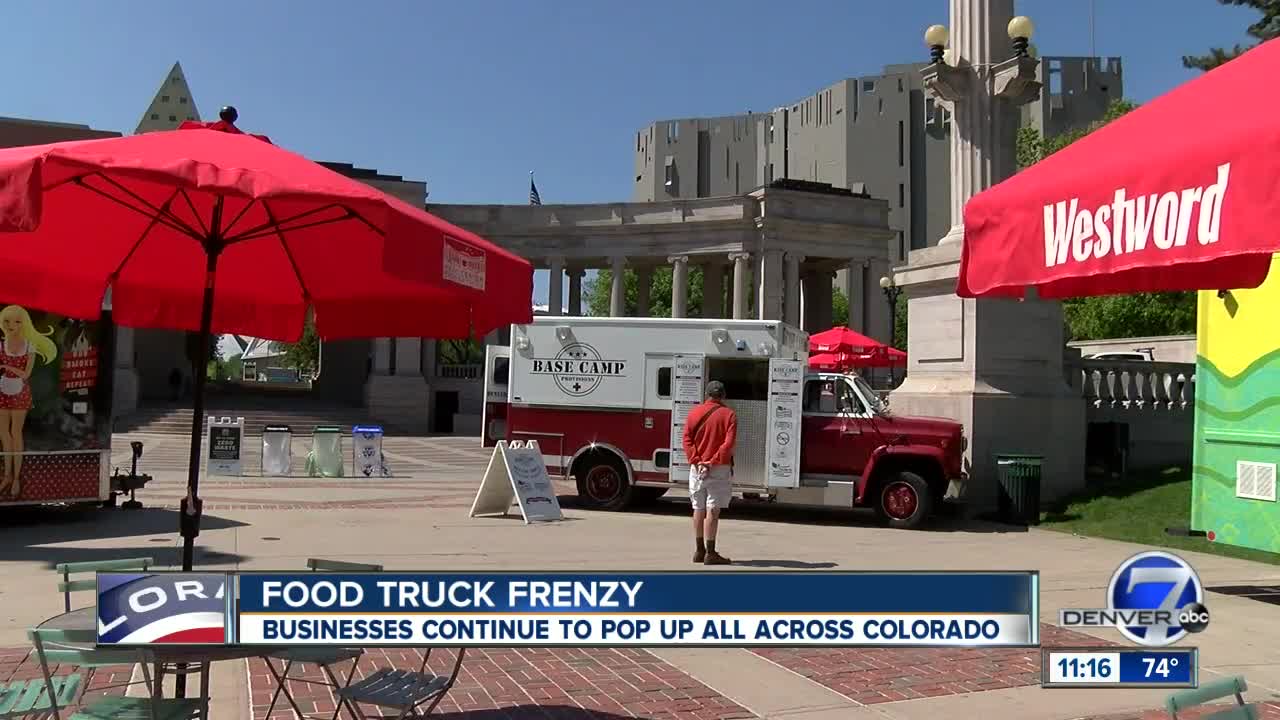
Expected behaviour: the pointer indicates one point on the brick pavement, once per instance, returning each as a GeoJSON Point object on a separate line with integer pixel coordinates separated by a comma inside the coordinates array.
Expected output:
{"type": "Point", "coordinates": [869, 676]}
{"type": "Point", "coordinates": [528, 684]}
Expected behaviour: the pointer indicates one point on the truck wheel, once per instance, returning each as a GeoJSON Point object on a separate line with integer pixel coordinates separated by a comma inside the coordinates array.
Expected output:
{"type": "Point", "coordinates": [603, 484]}
{"type": "Point", "coordinates": [904, 500]}
{"type": "Point", "coordinates": [648, 494]}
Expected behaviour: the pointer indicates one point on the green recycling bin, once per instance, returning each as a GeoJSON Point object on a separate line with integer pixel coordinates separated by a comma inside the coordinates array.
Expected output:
{"type": "Point", "coordinates": [1019, 478]}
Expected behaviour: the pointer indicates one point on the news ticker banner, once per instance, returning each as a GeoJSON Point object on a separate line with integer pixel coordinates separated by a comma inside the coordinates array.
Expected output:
{"type": "Point", "coordinates": [572, 609]}
{"type": "Point", "coordinates": [1119, 667]}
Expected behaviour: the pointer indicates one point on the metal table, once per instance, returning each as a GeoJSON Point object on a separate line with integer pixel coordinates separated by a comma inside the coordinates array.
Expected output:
{"type": "Point", "coordinates": [160, 655]}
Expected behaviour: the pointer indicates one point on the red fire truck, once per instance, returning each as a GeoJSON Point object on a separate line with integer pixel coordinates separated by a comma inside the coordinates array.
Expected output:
{"type": "Point", "coordinates": [606, 399]}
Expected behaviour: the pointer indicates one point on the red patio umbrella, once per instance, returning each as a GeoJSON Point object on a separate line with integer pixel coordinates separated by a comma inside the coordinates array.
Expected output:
{"type": "Point", "coordinates": [1180, 194]}
{"type": "Point", "coordinates": [829, 362]}
{"type": "Point", "coordinates": [208, 229]}
{"type": "Point", "coordinates": [843, 340]}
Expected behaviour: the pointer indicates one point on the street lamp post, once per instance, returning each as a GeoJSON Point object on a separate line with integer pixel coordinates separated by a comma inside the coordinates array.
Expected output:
{"type": "Point", "coordinates": [891, 293]}
{"type": "Point", "coordinates": [1010, 396]}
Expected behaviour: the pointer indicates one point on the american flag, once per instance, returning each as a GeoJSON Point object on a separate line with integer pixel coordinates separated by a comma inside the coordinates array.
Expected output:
{"type": "Point", "coordinates": [534, 197]}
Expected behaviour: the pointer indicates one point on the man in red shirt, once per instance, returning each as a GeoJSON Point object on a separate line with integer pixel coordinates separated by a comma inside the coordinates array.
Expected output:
{"type": "Point", "coordinates": [709, 436]}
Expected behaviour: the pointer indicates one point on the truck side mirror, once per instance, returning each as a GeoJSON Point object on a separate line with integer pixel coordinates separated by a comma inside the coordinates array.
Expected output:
{"type": "Point", "coordinates": [884, 398]}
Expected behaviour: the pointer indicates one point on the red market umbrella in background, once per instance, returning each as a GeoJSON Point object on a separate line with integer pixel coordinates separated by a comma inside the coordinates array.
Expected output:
{"type": "Point", "coordinates": [1179, 194]}
{"type": "Point", "coordinates": [212, 230]}
{"type": "Point", "coordinates": [843, 362]}
{"type": "Point", "coordinates": [841, 339]}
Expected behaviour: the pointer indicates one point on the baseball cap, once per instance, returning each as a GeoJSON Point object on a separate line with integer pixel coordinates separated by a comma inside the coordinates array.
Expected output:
{"type": "Point", "coordinates": [715, 389]}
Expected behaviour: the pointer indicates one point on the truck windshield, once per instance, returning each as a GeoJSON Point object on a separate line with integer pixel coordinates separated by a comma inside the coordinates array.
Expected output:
{"type": "Point", "coordinates": [872, 397]}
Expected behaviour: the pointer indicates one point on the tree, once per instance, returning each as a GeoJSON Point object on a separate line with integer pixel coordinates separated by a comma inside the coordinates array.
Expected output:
{"type": "Point", "coordinates": [1093, 318]}
{"type": "Point", "coordinates": [459, 352]}
{"type": "Point", "coordinates": [304, 355]}
{"type": "Point", "coordinates": [1267, 28]}
{"type": "Point", "coordinates": [1137, 315]}
{"type": "Point", "coordinates": [598, 292]}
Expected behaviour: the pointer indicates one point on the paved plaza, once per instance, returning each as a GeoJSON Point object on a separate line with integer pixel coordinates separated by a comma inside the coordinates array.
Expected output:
{"type": "Point", "coordinates": [417, 520]}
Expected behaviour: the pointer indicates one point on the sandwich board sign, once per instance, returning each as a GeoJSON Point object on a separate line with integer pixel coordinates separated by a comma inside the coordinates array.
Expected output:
{"type": "Point", "coordinates": [226, 438]}
{"type": "Point", "coordinates": [517, 474]}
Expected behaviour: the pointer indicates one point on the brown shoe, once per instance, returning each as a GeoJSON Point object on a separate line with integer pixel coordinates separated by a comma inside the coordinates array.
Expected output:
{"type": "Point", "coordinates": [715, 558]}
{"type": "Point", "coordinates": [699, 556]}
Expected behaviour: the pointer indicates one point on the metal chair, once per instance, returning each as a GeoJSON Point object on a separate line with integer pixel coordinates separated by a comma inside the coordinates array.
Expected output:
{"type": "Point", "coordinates": [403, 690]}
{"type": "Point", "coordinates": [76, 647]}
{"type": "Point", "coordinates": [322, 657]}
{"type": "Point", "coordinates": [1213, 691]}
{"type": "Point", "coordinates": [67, 585]}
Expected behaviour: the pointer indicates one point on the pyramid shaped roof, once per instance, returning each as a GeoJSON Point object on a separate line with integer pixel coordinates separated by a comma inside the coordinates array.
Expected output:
{"type": "Point", "coordinates": [172, 104]}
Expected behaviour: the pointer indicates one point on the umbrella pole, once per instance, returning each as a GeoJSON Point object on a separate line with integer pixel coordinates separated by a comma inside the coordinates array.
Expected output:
{"type": "Point", "coordinates": [189, 524]}
{"type": "Point", "coordinates": [191, 504]}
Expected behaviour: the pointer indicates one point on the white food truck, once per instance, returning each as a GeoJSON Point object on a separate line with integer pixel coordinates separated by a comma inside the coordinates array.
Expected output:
{"type": "Point", "coordinates": [606, 399]}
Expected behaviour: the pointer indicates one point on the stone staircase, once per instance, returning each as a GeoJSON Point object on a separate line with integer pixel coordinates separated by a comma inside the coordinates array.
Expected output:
{"type": "Point", "coordinates": [176, 420]}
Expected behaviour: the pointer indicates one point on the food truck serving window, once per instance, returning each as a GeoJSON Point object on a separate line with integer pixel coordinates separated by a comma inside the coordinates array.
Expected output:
{"type": "Point", "coordinates": [743, 379]}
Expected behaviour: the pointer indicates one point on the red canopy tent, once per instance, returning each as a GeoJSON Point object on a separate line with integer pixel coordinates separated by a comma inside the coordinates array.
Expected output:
{"type": "Point", "coordinates": [1180, 194]}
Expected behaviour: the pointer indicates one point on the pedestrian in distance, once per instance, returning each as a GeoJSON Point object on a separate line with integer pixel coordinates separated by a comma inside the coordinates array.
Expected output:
{"type": "Point", "coordinates": [710, 432]}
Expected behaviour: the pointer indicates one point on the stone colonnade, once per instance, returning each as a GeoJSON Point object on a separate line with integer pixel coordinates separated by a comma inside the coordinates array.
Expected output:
{"type": "Point", "coordinates": [735, 285]}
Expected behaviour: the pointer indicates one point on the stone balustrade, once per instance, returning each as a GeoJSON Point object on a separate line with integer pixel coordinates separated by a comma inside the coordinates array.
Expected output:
{"type": "Point", "coordinates": [460, 372]}
{"type": "Point", "coordinates": [1133, 384]}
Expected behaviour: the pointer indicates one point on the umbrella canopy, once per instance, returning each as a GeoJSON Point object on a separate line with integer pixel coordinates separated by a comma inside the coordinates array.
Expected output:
{"type": "Point", "coordinates": [841, 339]}
{"type": "Point", "coordinates": [829, 362]}
{"type": "Point", "coordinates": [147, 215]}
{"type": "Point", "coordinates": [209, 229]}
{"type": "Point", "coordinates": [1179, 194]}
{"type": "Point", "coordinates": [841, 362]}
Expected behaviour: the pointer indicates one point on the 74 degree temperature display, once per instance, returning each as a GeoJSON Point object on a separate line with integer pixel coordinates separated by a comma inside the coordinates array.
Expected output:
{"type": "Point", "coordinates": [1119, 667]}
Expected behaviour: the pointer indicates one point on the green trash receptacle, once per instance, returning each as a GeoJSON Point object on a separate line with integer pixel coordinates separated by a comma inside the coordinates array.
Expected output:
{"type": "Point", "coordinates": [1019, 479]}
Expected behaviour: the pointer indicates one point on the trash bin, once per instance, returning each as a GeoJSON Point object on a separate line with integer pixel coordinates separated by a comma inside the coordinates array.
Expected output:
{"type": "Point", "coordinates": [277, 451]}
{"type": "Point", "coordinates": [1019, 479]}
{"type": "Point", "coordinates": [366, 451]}
{"type": "Point", "coordinates": [325, 458]}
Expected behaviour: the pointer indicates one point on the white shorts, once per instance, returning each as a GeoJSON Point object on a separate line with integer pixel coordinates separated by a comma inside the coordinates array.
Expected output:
{"type": "Point", "coordinates": [712, 492]}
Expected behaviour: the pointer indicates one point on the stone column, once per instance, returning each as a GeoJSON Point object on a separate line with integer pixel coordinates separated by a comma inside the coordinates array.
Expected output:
{"type": "Point", "coordinates": [555, 286]}
{"type": "Point", "coordinates": [575, 290]}
{"type": "Point", "coordinates": [618, 292]}
{"type": "Point", "coordinates": [382, 356]}
{"type": "Point", "coordinates": [740, 279]}
{"type": "Point", "coordinates": [817, 301]}
{"type": "Point", "coordinates": [124, 387]}
{"type": "Point", "coordinates": [879, 323]}
{"type": "Point", "coordinates": [644, 286]}
{"type": "Point", "coordinates": [994, 365]}
{"type": "Point", "coordinates": [408, 356]}
{"type": "Point", "coordinates": [712, 290]}
{"type": "Point", "coordinates": [794, 292]}
{"type": "Point", "coordinates": [855, 291]}
{"type": "Point", "coordinates": [769, 285]}
{"type": "Point", "coordinates": [401, 402]}
{"type": "Point", "coordinates": [679, 285]}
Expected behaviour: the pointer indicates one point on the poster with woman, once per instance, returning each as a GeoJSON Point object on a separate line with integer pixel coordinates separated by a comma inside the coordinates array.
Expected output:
{"type": "Point", "coordinates": [54, 409]}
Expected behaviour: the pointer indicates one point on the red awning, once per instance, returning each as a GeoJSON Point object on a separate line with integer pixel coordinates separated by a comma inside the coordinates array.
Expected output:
{"type": "Point", "coordinates": [1180, 194]}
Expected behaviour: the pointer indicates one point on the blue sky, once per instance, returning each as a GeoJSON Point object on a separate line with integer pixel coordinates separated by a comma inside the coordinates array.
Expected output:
{"type": "Point", "coordinates": [472, 95]}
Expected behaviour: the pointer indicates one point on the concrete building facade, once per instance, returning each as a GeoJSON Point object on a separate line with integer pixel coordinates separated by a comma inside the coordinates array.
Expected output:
{"type": "Point", "coordinates": [882, 134]}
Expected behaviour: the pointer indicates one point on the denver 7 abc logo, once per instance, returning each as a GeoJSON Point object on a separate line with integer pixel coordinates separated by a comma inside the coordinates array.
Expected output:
{"type": "Point", "coordinates": [1155, 599]}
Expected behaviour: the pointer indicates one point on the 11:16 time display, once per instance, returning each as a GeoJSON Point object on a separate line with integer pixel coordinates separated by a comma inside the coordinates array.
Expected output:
{"type": "Point", "coordinates": [1092, 667]}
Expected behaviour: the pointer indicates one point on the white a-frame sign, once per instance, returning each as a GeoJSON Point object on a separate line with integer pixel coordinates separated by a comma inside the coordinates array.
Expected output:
{"type": "Point", "coordinates": [517, 474]}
